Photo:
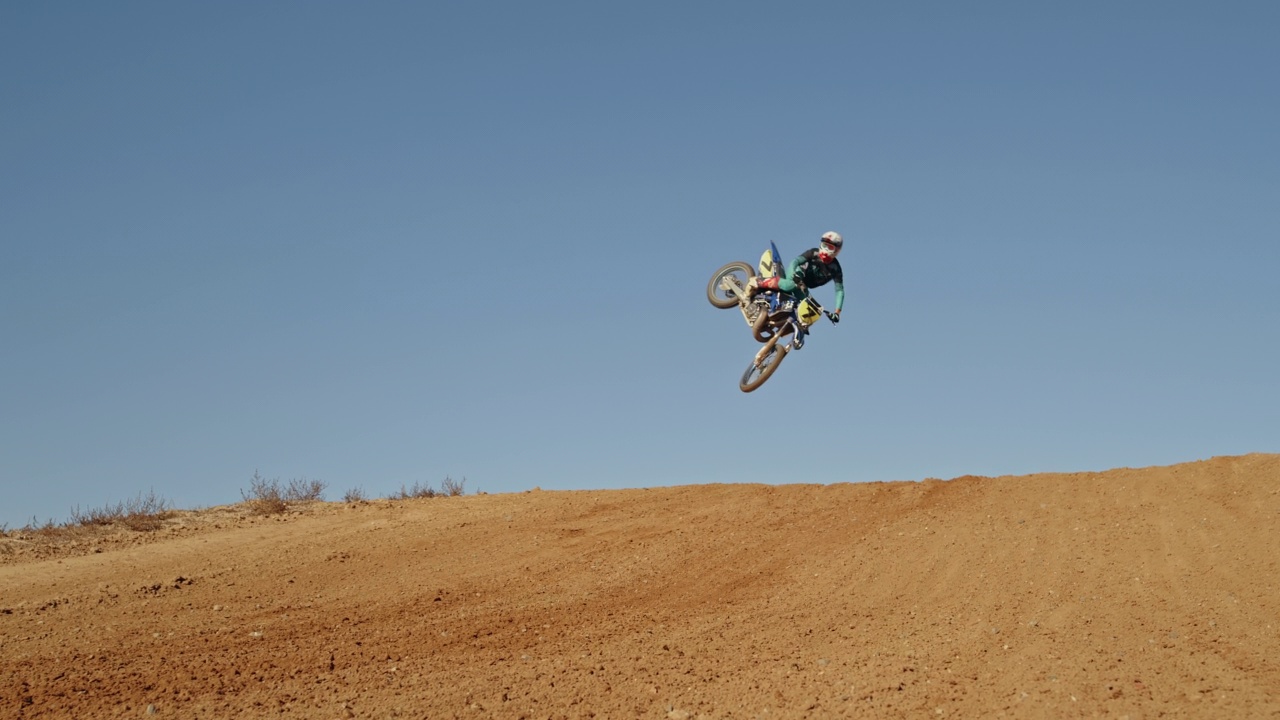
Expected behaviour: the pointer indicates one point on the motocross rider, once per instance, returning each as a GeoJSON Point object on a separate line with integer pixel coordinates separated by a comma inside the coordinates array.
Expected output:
{"type": "Point", "coordinates": [812, 268]}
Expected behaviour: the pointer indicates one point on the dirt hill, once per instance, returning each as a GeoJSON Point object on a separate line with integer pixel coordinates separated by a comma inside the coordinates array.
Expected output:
{"type": "Point", "coordinates": [1140, 593]}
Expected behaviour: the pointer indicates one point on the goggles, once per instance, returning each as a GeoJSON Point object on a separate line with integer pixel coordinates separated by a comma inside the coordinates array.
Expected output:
{"type": "Point", "coordinates": [829, 249]}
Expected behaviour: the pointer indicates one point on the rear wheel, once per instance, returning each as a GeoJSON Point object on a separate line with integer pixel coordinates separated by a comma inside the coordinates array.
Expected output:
{"type": "Point", "coordinates": [770, 357]}
{"type": "Point", "coordinates": [737, 273]}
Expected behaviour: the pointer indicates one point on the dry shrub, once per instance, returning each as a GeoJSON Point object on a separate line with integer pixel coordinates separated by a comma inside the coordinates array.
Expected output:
{"type": "Point", "coordinates": [453, 488]}
{"type": "Point", "coordinates": [354, 495]}
{"type": "Point", "coordinates": [144, 513]}
{"type": "Point", "coordinates": [448, 488]}
{"type": "Point", "coordinates": [304, 490]}
{"type": "Point", "coordinates": [47, 529]}
{"type": "Point", "coordinates": [419, 490]}
{"type": "Point", "coordinates": [268, 497]}
{"type": "Point", "coordinates": [147, 512]}
{"type": "Point", "coordinates": [264, 496]}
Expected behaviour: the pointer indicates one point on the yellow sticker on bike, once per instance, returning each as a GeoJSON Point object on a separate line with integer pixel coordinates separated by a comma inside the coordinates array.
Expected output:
{"type": "Point", "coordinates": [766, 264]}
{"type": "Point", "coordinates": [808, 312]}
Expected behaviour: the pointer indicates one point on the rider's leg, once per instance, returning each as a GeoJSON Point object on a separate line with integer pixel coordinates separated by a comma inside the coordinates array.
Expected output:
{"type": "Point", "coordinates": [757, 283]}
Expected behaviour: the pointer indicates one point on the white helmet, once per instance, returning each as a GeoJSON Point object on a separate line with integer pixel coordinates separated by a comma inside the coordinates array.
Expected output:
{"type": "Point", "coordinates": [830, 246]}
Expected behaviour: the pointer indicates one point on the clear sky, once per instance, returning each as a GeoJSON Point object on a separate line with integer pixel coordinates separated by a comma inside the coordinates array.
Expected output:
{"type": "Point", "coordinates": [381, 243]}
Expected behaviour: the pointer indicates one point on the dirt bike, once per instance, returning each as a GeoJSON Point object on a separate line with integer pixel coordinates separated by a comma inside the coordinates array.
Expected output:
{"type": "Point", "coordinates": [772, 315]}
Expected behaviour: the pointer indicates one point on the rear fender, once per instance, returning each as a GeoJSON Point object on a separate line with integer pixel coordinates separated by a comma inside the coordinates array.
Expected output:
{"type": "Point", "coordinates": [771, 263]}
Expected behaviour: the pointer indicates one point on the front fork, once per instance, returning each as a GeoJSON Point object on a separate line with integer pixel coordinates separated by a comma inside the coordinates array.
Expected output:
{"type": "Point", "coordinates": [765, 349]}
{"type": "Point", "coordinates": [797, 341]}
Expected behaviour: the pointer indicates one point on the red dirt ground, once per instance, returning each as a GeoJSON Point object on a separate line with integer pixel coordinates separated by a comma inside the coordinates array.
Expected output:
{"type": "Point", "coordinates": [1140, 593]}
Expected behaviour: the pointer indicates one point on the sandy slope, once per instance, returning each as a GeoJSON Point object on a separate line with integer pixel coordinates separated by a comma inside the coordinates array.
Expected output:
{"type": "Point", "coordinates": [1144, 593]}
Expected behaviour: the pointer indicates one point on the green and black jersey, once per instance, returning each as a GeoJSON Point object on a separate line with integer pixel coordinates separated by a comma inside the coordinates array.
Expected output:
{"type": "Point", "coordinates": [817, 273]}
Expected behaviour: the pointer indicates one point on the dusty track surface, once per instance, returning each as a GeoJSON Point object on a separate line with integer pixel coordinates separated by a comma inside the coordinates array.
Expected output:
{"type": "Point", "coordinates": [1146, 593]}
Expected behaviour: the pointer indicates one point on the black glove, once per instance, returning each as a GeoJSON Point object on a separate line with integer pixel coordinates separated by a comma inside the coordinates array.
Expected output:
{"type": "Point", "coordinates": [835, 317]}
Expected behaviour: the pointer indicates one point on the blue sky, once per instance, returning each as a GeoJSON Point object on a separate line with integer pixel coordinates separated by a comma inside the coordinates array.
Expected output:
{"type": "Point", "coordinates": [375, 244]}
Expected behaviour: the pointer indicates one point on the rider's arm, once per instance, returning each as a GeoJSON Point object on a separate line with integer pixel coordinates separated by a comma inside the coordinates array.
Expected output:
{"type": "Point", "coordinates": [837, 276]}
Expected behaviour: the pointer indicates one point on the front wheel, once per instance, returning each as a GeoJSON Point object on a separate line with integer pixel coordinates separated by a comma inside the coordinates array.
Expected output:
{"type": "Point", "coordinates": [769, 358]}
{"type": "Point", "coordinates": [737, 273]}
